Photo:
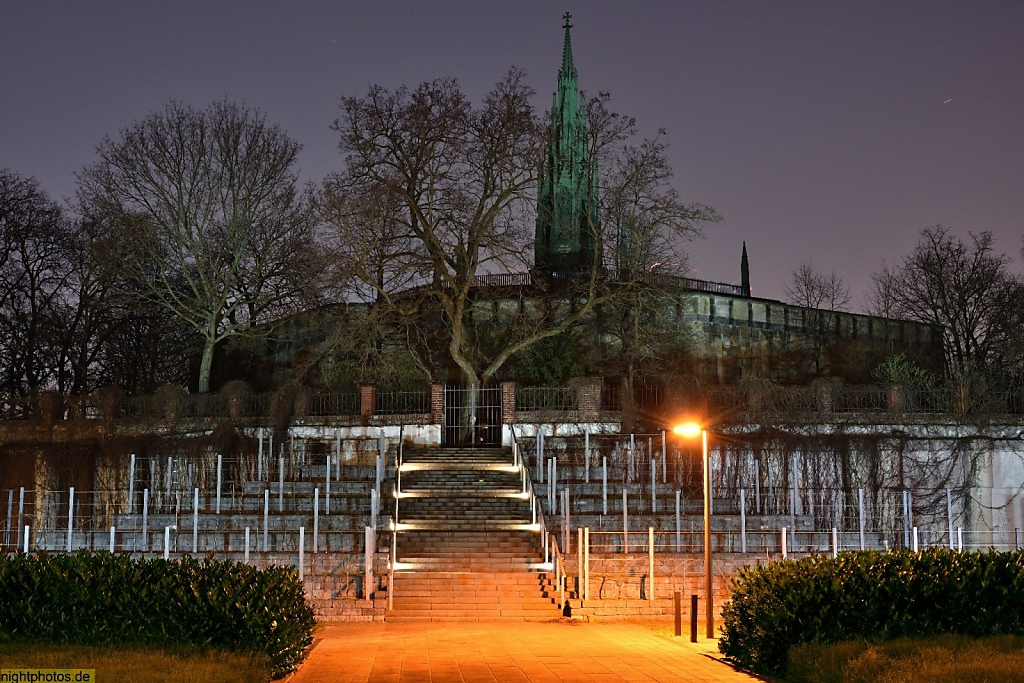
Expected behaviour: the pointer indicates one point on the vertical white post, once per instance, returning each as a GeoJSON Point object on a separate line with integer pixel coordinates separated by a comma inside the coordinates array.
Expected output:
{"type": "Point", "coordinates": [835, 542]}
{"type": "Point", "coordinates": [280, 483]}
{"type": "Point", "coordinates": [860, 515]}
{"type": "Point", "coordinates": [654, 485]}
{"type": "Point", "coordinates": [566, 526]}
{"type": "Point", "coordinates": [743, 520]}
{"type": "Point", "coordinates": [246, 545]}
{"type": "Point", "coordinates": [959, 538]}
{"type": "Point", "coordinates": [373, 508]}
{"type": "Point", "coordinates": [554, 477]}
{"type": "Point", "coordinates": [327, 484]}
{"type": "Point", "coordinates": [111, 540]}
{"type": "Point", "coordinates": [266, 520]}
{"type": "Point", "coordinates": [541, 460]}
{"type": "Point", "coordinates": [586, 456]}
{"type": "Point", "coordinates": [302, 549]}
{"type": "Point", "coordinates": [795, 498]}
{"type": "Point", "coordinates": [604, 485]}
{"type": "Point", "coordinates": [625, 521]}
{"type": "Point", "coordinates": [757, 486]}
{"type": "Point", "coordinates": [131, 483]}
{"type": "Point", "coordinates": [26, 540]}
{"type": "Point", "coordinates": [170, 470]}
{"type": "Point", "coordinates": [784, 549]}
{"type": "Point", "coordinates": [316, 516]}
{"type": "Point", "coordinates": [167, 542]}
{"type": "Point", "coordinates": [195, 520]}
{"type": "Point", "coordinates": [259, 455]}
{"type": "Point", "coordinates": [21, 514]}
{"type": "Point", "coordinates": [949, 516]}
{"type": "Point", "coordinates": [71, 515]}
{"type": "Point", "coordinates": [370, 541]}
{"type": "Point", "coordinates": [145, 520]}
{"type": "Point", "coordinates": [664, 459]}
{"type": "Point", "coordinates": [220, 465]}
{"type": "Point", "coordinates": [915, 539]}
{"type": "Point", "coordinates": [650, 563]}
{"type": "Point", "coordinates": [586, 563]}
{"type": "Point", "coordinates": [679, 524]}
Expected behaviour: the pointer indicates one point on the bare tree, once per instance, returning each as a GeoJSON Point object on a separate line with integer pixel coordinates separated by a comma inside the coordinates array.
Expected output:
{"type": "Point", "coordinates": [966, 287]}
{"type": "Point", "coordinates": [34, 267]}
{"type": "Point", "coordinates": [435, 194]}
{"type": "Point", "coordinates": [215, 229]}
{"type": "Point", "coordinates": [813, 289]}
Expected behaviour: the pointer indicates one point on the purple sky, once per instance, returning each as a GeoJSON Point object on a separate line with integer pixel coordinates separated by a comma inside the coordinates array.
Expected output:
{"type": "Point", "coordinates": [823, 131]}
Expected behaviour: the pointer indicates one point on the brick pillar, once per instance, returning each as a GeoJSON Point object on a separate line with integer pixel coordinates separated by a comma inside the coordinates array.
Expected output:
{"type": "Point", "coordinates": [588, 397]}
{"type": "Point", "coordinates": [437, 404]}
{"type": "Point", "coordinates": [367, 400]}
{"type": "Point", "coordinates": [508, 402]}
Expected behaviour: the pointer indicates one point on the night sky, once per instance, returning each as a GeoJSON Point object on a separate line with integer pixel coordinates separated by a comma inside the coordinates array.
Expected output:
{"type": "Point", "coordinates": [825, 131]}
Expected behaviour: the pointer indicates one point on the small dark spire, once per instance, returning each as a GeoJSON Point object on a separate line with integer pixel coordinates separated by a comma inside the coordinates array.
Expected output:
{"type": "Point", "coordinates": [745, 272]}
{"type": "Point", "coordinates": [567, 66]}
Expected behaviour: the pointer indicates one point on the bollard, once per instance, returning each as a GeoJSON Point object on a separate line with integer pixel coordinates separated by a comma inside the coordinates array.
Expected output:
{"type": "Point", "coordinates": [693, 618]}
{"type": "Point", "coordinates": [677, 600]}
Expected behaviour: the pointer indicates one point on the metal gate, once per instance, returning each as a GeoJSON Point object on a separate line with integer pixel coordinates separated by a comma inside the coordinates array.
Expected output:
{"type": "Point", "coordinates": [472, 417]}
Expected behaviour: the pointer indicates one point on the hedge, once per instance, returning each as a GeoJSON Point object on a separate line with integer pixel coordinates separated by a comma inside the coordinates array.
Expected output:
{"type": "Point", "coordinates": [871, 596]}
{"type": "Point", "coordinates": [100, 599]}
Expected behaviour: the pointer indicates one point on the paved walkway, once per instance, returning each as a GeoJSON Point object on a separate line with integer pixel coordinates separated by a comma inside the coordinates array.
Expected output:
{"type": "Point", "coordinates": [509, 651]}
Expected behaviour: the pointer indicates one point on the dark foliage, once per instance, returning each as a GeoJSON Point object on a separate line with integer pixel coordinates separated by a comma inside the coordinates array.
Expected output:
{"type": "Point", "coordinates": [869, 596]}
{"type": "Point", "coordinates": [114, 599]}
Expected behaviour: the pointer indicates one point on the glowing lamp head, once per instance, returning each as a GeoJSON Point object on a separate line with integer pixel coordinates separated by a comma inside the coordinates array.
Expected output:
{"type": "Point", "coordinates": [687, 429]}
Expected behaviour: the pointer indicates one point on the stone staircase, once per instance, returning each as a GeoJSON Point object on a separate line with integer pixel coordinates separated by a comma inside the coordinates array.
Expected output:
{"type": "Point", "coordinates": [467, 548]}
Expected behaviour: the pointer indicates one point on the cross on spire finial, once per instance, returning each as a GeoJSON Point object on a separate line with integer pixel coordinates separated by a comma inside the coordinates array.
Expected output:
{"type": "Point", "coordinates": [568, 18]}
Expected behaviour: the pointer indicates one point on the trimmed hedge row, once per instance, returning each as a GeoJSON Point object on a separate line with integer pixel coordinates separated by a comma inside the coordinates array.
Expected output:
{"type": "Point", "coordinates": [870, 596]}
{"type": "Point", "coordinates": [101, 599]}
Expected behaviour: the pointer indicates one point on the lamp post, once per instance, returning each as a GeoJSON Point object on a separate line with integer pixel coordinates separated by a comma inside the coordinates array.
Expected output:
{"type": "Point", "coordinates": [691, 430]}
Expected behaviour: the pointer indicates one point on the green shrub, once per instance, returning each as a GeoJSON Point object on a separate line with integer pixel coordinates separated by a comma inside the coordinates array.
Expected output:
{"type": "Point", "coordinates": [869, 596]}
{"type": "Point", "coordinates": [107, 599]}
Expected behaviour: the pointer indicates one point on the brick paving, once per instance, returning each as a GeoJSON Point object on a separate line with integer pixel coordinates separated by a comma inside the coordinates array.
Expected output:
{"type": "Point", "coordinates": [508, 651]}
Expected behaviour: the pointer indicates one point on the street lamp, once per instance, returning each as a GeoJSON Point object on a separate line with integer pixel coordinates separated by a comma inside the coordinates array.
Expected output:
{"type": "Point", "coordinates": [691, 430]}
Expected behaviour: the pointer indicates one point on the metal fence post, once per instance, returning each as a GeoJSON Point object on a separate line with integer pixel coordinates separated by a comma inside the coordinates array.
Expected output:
{"type": "Point", "coordinates": [131, 483]}
{"type": "Point", "coordinates": [835, 542]}
{"type": "Point", "coordinates": [679, 524]}
{"type": "Point", "coordinates": [604, 484]}
{"type": "Point", "coordinates": [784, 550]}
{"type": "Point", "coordinates": [654, 485]}
{"type": "Point", "coordinates": [860, 515]}
{"type": "Point", "coordinates": [145, 520]}
{"type": "Point", "coordinates": [195, 520]}
{"type": "Point", "coordinates": [21, 513]}
{"type": "Point", "coordinates": [247, 545]}
{"type": "Point", "coordinates": [167, 542]}
{"type": "Point", "coordinates": [368, 550]}
{"type": "Point", "coordinates": [220, 463]}
{"type": "Point", "coordinates": [302, 548]}
{"type": "Point", "coordinates": [650, 563]}
{"type": "Point", "coordinates": [586, 563]}
{"type": "Point", "coordinates": [586, 456]}
{"type": "Point", "coordinates": [625, 521]}
{"type": "Point", "coordinates": [71, 515]}
{"type": "Point", "coordinates": [316, 516]}
{"type": "Point", "coordinates": [266, 521]}
{"type": "Point", "coordinates": [743, 520]}
{"type": "Point", "coordinates": [280, 482]}
{"type": "Point", "coordinates": [949, 516]}
{"type": "Point", "coordinates": [111, 540]}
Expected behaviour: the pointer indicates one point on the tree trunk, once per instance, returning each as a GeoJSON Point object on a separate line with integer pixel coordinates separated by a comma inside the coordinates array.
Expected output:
{"type": "Point", "coordinates": [205, 365]}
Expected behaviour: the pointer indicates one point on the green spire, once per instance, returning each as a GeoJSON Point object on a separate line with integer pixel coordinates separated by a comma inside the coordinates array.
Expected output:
{"type": "Point", "coordinates": [745, 272]}
{"type": "Point", "coordinates": [567, 183]}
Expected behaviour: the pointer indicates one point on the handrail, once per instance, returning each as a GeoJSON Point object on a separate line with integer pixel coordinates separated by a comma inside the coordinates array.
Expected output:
{"type": "Point", "coordinates": [393, 546]}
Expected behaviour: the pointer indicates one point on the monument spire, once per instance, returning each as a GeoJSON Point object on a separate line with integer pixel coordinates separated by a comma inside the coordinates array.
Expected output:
{"type": "Point", "coordinates": [745, 272]}
{"type": "Point", "coordinates": [567, 181]}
